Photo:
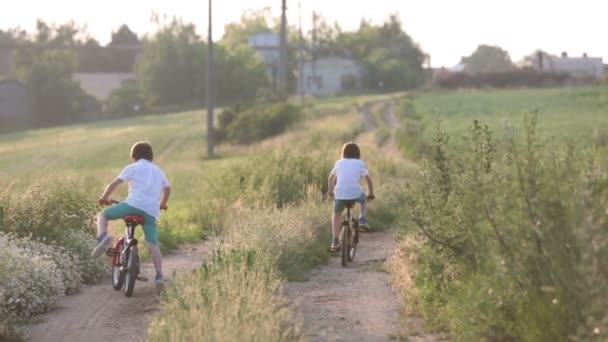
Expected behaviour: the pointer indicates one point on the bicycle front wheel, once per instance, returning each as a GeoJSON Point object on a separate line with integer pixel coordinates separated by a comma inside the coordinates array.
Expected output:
{"type": "Point", "coordinates": [132, 271]}
{"type": "Point", "coordinates": [345, 241]}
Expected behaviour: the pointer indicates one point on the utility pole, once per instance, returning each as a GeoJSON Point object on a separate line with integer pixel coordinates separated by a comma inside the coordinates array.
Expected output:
{"type": "Point", "coordinates": [314, 48]}
{"type": "Point", "coordinates": [283, 52]}
{"type": "Point", "coordinates": [300, 61]}
{"type": "Point", "coordinates": [210, 129]}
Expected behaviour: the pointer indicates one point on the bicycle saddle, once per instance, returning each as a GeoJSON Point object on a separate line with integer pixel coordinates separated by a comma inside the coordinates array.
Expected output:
{"type": "Point", "coordinates": [134, 218]}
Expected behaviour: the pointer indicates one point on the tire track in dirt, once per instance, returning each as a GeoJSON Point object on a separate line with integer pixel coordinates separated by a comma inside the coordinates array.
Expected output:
{"type": "Point", "coordinates": [98, 313]}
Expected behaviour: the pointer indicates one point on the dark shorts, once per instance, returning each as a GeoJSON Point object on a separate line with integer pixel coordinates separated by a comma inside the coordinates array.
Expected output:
{"type": "Point", "coordinates": [340, 204]}
{"type": "Point", "coordinates": [121, 210]}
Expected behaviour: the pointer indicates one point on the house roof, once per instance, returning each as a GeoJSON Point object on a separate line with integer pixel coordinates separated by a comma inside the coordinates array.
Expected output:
{"type": "Point", "coordinates": [101, 85]}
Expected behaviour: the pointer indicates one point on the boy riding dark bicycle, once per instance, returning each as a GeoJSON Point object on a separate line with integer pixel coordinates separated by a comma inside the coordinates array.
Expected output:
{"type": "Point", "coordinates": [149, 191]}
{"type": "Point", "coordinates": [344, 186]}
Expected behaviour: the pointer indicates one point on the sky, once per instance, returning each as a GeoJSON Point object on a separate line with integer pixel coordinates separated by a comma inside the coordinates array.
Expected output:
{"type": "Point", "coordinates": [446, 29]}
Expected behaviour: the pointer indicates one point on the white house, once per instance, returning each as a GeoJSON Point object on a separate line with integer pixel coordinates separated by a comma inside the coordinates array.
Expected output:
{"type": "Point", "coordinates": [267, 45]}
{"type": "Point", "coordinates": [330, 76]}
{"type": "Point", "coordinates": [583, 66]}
{"type": "Point", "coordinates": [101, 85]}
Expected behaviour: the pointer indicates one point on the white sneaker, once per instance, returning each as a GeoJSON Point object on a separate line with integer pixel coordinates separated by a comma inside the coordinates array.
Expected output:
{"type": "Point", "coordinates": [101, 246]}
{"type": "Point", "coordinates": [160, 284]}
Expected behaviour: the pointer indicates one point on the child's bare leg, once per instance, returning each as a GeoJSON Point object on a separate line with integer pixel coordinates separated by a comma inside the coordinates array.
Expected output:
{"type": "Point", "coordinates": [102, 224]}
{"type": "Point", "coordinates": [156, 258]}
{"type": "Point", "coordinates": [335, 223]}
{"type": "Point", "coordinates": [363, 212]}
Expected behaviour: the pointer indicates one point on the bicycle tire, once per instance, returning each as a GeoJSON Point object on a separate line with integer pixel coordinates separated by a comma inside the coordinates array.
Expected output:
{"type": "Point", "coordinates": [344, 237]}
{"type": "Point", "coordinates": [118, 275]}
{"type": "Point", "coordinates": [353, 247]}
{"type": "Point", "coordinates": [132, 271]}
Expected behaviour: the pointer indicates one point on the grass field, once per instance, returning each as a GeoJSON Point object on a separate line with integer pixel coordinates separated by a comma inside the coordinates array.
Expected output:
{"type": "Point", "coordinates": [564, 112]}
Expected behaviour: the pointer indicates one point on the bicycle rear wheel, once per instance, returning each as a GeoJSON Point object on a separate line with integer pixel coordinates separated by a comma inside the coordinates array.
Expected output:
{"type": "Point", "coordinates": [345, 239]}
{"type": "Point", "coordinates": [132, 271]}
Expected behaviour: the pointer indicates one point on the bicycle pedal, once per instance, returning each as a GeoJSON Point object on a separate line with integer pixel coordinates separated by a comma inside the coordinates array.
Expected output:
{"type": "Point", "coordinates": [111, 252]}
{"type": "Point", "coordinates": [142, 278]}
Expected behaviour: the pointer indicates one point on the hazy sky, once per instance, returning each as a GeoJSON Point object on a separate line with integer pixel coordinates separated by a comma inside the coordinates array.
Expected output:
{"type": "Point", "coordinates": [447, 29]}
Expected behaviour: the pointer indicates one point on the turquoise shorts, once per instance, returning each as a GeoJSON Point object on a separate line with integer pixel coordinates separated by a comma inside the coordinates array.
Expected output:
{"type": "Point", "coordinates": [121, 210]}
{"type": "Point", "coordinates": [340, 204]}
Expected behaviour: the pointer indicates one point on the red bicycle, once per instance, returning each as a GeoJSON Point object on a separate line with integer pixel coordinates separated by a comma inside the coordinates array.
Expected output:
{"type": "Point", "coordinates": [126, 264]}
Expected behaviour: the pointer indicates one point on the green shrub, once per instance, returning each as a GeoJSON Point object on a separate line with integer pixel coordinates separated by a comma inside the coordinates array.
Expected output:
{"type": "Point", "coordinates": [78, 245]}
{"type": "Point", "coordinates": [274, 179]}
{"type": "Point", "coordinates": [294, 238]}
{"type": "Point", "coordinates": [513, 235]}
{"type": "Point", "coordinates": [31, 282]}
{"type": "Point", "coordinates": [125, 100]}
{"type": "Point", "coordinates": [48, 210]}
{"type": "Point", "coordinates": [255, 122]}
{"type": "Point", "coordinates": [66, 262]}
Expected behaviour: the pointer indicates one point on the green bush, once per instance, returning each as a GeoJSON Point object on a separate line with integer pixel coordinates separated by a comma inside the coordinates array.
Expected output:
{"type": "Point", "coordinates": [514, 235]}
{"type": "Point", "coordinates": [59, 213]}
{"type": "Point", "coordinates": [255, 122]}
{"type": "Point", "coordinates": [125, 100]}
{"type": "Point", "coordinates": [273, 179]}
{"type": "Point", "coordinates": [79, 244]}
{"type": "Point", "coordinates": [31, 282]}
{"type": "Point", "coordinates": [47, 210]}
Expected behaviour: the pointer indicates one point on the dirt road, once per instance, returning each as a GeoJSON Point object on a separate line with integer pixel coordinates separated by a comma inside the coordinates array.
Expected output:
{"type": "Point", "coordinates": [98, 313]}
{"type": "Point", "coordinates": [354, 303]}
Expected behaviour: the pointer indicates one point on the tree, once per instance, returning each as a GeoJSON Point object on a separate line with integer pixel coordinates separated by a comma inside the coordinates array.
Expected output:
{"type": "Point", "coordinates": [172, 66]}
{"type": "Point", "coordinates": [389, 55]}
{"type": "Point", "coordinates": [122, 50]}
{"type": "Point", "coordinates": [251, 23]}
{"type": "Point", "coordinates": [172, 69]}
{"type": "Point", "coordinates": [47, 76]}
{"type": "Point", "coordinates": [487, 59]}
{"type": "Point", "coordinates": [124, 36]}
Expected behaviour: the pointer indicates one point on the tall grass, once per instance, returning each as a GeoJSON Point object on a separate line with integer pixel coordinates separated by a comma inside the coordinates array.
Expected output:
{"type": "Point", "coordinates": [238, 293]}
{"type": "Point", "coordinates": [513, 237]}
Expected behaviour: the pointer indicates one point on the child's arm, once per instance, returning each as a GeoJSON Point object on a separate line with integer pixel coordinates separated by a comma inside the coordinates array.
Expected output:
{"type": "Point", "coordinates": [370, 187]}
{"type": "Point", "coordinates": [331, 184]}
{"type": "Point", "coordinates": [104, 199]}
{"type": "Point", "coordinates": [165, 197]}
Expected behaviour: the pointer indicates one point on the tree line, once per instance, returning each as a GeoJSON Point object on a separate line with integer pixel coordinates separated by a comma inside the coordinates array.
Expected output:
{"type": "Point", "coordinates": [170, 64]}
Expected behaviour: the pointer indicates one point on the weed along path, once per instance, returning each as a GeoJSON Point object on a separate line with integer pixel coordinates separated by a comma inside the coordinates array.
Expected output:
{"type": "Point", "coordinates": [98, 313]}
{"type": "Point", "coordinates": [351, 304]}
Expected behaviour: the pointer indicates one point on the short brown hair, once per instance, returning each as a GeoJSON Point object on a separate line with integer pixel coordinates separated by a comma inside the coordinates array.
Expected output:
{"type": "Point", "coordinates": [142, 150]}
{"type": "Point", "coordinates": [351, 150]}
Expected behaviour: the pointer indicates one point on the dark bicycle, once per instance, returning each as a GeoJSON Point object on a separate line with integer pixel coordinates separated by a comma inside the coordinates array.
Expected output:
{"type": "Point", "coordinates": [349, 235]}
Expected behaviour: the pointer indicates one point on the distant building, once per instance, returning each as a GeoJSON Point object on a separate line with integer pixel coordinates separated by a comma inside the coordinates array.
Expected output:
{"type": "Point", "coordinates": [331, 75]}
{"type": "Point", "coordinates": [14, 105]}
{"type": "Point", "coordinates": [267, 45]}
{"type": "Point", "coordinates": [578, 67]}
{"type": "Point", "coordinates": [101, 85]}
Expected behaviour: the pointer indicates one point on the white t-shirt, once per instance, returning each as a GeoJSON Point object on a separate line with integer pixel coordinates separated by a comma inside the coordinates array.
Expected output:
{"type": "Point", "coordinates": [146, 183]}
{"type": "Point", "coordinates": [349, 171]}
